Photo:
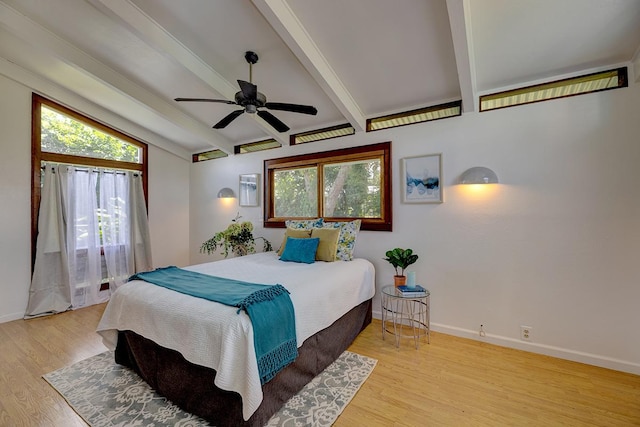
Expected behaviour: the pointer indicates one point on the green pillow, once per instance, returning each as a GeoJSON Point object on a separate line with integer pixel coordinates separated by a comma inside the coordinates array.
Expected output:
{"type": "Point", "coordinates": [300, 250]}
{"type": "Point", "coordinates": [292, 232]}
{"type": "Point", "coordinates": [328, 246]}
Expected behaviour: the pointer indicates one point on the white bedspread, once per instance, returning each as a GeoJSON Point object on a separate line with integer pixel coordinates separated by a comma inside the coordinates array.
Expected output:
{"type": "Point", "coordinates": [214, 335]}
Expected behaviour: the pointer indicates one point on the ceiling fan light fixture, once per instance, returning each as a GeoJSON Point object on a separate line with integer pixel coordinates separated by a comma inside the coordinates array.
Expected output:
{"type": "Point", "coordinates": [251, 100]}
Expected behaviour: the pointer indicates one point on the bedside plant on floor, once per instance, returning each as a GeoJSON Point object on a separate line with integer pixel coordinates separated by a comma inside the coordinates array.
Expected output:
{"type": "Point", "coordinates": [400, 259]}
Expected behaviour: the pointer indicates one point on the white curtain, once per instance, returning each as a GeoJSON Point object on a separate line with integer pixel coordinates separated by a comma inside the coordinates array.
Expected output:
{"type": "Point", "coordinates": [126, 233]}
{"type": "Point", "coordinates": [78, 209]}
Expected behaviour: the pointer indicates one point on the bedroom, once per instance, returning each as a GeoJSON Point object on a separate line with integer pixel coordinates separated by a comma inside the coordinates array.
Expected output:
{"type": "Point", "coordinates": [554, 247]}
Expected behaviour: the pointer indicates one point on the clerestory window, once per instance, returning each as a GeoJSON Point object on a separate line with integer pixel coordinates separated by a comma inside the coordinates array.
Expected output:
{"type": "Point", "coordinates": [580, 85]}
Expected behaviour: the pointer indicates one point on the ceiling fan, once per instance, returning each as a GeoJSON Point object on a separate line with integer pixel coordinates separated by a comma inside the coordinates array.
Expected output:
{"type": "Point", "coordinates": [251, 100]}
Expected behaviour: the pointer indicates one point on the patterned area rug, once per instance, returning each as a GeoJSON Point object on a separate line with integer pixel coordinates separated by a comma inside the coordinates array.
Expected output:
{"type": "Point", "coordinates": [106, 394]}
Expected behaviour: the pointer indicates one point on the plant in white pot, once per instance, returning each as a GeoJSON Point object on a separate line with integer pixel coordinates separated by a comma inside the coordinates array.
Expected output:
{"type": "Point", "coordinates": [400, 259]}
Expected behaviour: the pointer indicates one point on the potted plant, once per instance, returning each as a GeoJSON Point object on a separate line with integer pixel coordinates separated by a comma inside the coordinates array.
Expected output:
{"type": "Point", "coordinates": [400, 259]}
{"type": "Point", "coordinates": [237, 238]}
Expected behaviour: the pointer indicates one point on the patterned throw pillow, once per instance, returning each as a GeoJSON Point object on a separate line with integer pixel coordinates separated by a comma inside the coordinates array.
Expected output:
{"type": "Point", "coordinates": [306, 224]}
{"type": "Point", "coordinates": [347, 240]}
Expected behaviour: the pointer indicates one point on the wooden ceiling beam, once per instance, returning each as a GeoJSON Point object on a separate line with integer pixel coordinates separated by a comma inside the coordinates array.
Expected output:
{"type": "Point", "coordinates": [36, 35]}
{"type": "Point", "coordinates": [460, 23]}
{"type": "Point", "coordinates": [282, 19]}
{"type": "Point", "coordinates": [159, 38]}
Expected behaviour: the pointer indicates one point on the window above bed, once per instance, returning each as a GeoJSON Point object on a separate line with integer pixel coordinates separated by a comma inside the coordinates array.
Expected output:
{"type": "Point", "coordinates": [337, 185]}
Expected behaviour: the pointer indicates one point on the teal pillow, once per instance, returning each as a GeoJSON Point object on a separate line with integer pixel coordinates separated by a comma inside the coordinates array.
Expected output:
{"type": "Point", "coordinates": [300, 250]}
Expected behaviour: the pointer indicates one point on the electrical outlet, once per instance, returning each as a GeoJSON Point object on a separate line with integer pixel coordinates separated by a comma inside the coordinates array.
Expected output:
{"type": "Point", "coordinates": [525, 332]}
{"type": "Point", "coordinates": [482, 333]}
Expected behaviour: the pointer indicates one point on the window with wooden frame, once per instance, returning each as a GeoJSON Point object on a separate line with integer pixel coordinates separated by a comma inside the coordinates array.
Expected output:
{"type": "Point", "coordinates": [338, 185]}
{"type": "Point", "coordinates": [61, 135]}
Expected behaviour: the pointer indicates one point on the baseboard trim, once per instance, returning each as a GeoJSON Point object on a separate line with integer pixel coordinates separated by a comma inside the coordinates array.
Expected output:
{"type": "Point", "coordinates": [10, 317]}
{"type": "Point", "coordinates": [548, 350]}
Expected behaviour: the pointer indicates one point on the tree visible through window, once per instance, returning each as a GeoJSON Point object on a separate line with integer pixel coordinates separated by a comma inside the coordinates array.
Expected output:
{"type": "Point", "coordinates": [352, 190]}
{"type": "Point", "coordinates": [296, 192]}
{"type": "Point", "coordinates": [61, 135]}
{"type": "Point", "coordinates": [341, 184]}
{"type": "Point", "coordinates": [65, 135]}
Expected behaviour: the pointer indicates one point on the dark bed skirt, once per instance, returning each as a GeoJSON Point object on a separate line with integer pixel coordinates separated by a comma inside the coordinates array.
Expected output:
{"type": "Point", "coordinates": [192, 386]}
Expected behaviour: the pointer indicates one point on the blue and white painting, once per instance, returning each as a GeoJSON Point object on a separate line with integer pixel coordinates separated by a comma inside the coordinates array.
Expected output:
{"type": "Point", "coordinates": [422, 183]}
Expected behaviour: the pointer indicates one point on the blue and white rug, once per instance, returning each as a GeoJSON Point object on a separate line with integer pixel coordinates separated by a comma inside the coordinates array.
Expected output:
{"type": "Point", "coordinates": [106, 394]}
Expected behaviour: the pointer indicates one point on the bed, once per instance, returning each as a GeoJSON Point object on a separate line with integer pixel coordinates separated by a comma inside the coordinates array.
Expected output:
{"type": "Point", "coordinates": [200, 354]}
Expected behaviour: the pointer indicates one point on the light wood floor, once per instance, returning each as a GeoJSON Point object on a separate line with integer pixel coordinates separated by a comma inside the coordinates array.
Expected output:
{"type": "Point", "coordinates": [451, 382]}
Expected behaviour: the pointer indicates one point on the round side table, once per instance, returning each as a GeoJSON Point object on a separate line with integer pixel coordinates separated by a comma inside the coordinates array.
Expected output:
{"type": "Point", "coordinates": [405, 316]}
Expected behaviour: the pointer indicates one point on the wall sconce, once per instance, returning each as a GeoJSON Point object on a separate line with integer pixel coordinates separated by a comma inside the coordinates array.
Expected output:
{"type": "Point", "coordinates": [479, 175]}
{"type": "Point", "coordinates": [226, 193]}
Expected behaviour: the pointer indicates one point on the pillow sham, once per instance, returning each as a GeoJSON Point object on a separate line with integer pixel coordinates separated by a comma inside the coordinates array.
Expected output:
{"type": "Point", "coordinates": [328, 245]}
{"type": "Point", "coordinates": [293, 232]}
{"type": "Point", "coordinates": [300, 250]}
{"type": "Point", "coordinates": [347, 240]}
{"type": "Point", "coordinates": [307, 224]}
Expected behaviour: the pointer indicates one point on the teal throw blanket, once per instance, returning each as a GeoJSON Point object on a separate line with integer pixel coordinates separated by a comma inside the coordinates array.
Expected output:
{"type": "Point", "coordinates": [269, 308]}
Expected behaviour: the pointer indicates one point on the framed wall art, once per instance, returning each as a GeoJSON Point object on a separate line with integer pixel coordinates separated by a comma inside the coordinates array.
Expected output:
{"type": "Point", "coordinates": [249, 194]}
{"type": "Point", "coordinates": [422, 179]}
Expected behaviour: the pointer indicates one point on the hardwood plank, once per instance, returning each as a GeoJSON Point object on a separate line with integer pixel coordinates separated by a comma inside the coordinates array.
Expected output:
{"type": "Point", "coordinates": [452, 381]}
{"type": "Point", "coordinates": [31, 348]}
{"type": "Point", "coordinates": [456, 381]}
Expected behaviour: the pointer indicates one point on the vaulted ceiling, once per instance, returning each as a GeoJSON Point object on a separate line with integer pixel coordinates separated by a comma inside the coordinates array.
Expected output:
{"type": "Point", "coordinates": [351, 59]}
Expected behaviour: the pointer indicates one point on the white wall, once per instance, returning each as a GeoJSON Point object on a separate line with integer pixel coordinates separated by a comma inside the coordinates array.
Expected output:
{"type": "Point", "coordinates": [15, 193]}
{"type": "Point", "coordinates": [555, 246]}
{"type": "Point", "coordinates": [168, 200]}
{"type": "Point", "coordinates": [168, 208]}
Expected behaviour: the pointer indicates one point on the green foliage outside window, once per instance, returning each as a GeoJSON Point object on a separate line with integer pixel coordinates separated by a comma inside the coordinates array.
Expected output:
{"type": "Point", "coordinates": [296, 192]}
{"type": "Point", "coordinates": [64, 135]}
{"type": "Point", "coordinates": [347, 183]}
{"type": "Point", "coordinates": [352, 190]}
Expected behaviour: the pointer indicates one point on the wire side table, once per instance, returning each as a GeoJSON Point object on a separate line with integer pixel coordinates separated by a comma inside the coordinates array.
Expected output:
{"type": "Point", "coordinates": [405, 316]}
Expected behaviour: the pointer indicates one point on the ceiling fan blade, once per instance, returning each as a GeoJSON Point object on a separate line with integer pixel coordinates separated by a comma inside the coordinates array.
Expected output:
{"type": "Point", "coordinates": [296, 108]}
{"type": "Point", "coordinates": [273, 121]}
{"type": "Point", "coordinates": [228, 119]}
{"type": "Point", "coordinates": [223, 101]}
{"type": "Point", "coordinates": [249, 90]}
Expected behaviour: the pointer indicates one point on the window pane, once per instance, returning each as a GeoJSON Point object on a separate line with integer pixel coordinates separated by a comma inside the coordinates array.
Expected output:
{"type": "Point", "coordinates": [352, 183]}
{"type": "Point", "coordinates": [64, 135]}
{"type": "Point", "coordinates": [580, 85]}
{"type": "Point", "coordinates": [352, 189]}
{"type": "Point", "coordinates": [296, 193]}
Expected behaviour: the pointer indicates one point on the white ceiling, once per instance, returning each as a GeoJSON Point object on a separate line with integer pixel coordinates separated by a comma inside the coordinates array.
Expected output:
{"type": "Point", "coordinates": [351, 59]}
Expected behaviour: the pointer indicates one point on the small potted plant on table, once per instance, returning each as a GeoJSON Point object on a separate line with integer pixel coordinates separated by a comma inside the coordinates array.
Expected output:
{"type": "Point", "coordinates": [400, 259]}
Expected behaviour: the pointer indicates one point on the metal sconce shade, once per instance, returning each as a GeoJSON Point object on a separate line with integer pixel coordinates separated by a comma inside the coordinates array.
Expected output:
{"type": "Point", "coordinates": [226, 193]}
{"type": "Point", "coordinates": [479, 175]}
